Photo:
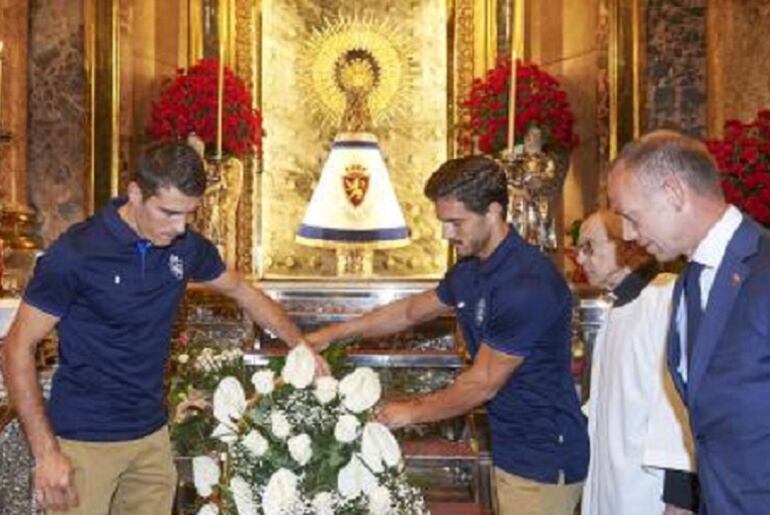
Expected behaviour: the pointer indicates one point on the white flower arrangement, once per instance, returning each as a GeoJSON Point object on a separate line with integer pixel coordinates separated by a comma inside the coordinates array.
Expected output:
{"type": "Point", "coordinates": [296, 444]}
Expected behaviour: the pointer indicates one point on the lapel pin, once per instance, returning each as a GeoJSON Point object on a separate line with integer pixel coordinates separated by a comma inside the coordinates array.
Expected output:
{"type": "Point", "coordinates": [736, 279]}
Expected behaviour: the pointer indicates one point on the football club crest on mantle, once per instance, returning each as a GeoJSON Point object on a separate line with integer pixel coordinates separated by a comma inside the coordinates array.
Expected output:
{"type": "Point", "coordinates": [176, 265]}
{"type": "Point", "coordinates": [355, 183]}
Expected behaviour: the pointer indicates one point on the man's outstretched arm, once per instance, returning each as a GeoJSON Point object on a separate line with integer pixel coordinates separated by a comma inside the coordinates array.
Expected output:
{"type": "Point", "coordinates": [389, 319]}
{"type": "Point", "coordinates": [477, 385]}
{"type": "Point", "coordinates": [258, 305]}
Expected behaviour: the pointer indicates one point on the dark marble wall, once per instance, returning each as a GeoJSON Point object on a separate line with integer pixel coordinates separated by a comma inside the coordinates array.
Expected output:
{"type": "Point", "coordinates": [676, 65]}
{"type": "Point", "coordinates": [56, 155]}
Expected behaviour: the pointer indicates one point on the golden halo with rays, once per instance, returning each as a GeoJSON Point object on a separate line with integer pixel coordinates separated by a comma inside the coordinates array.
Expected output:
{"type": "Point", "coordinates": [380, 41]}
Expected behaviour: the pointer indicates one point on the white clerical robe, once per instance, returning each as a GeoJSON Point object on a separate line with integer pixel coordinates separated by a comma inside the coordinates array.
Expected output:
{"type": "Point", "coordinates": [636, 421]}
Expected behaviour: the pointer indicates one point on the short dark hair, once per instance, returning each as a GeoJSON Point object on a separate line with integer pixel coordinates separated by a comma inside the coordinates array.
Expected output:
{"type": "Point", "coordinates": [170, 164]}
{"type": "Point", "coordinates": [476, 181]}
{"type": "Point", "coordinates": [664, 153]}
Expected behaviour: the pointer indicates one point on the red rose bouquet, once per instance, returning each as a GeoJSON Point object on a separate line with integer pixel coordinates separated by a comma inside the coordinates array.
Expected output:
{"type": "Point", "coordinates": [743, 158]}
{"type": "Point", "coordinates": [540, 101]}
{"type": "Point", "coordinates": [188, 103]}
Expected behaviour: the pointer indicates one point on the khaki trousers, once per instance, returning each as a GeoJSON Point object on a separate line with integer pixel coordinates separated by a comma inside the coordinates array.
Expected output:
{"type": "Point", "coordinates": [520, 496]}
{"type": "Point", "coordinates": [134, 477]}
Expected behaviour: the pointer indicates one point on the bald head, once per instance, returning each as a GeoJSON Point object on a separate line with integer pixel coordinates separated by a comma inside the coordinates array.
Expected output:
{"type": "Point", "coordinates": [603, 223]}
{"type": "Point", "coordinates": [662, 154]}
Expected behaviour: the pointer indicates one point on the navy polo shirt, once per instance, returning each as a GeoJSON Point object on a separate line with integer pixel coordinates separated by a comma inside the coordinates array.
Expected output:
{"type": "Point", "coordinates": [517, 303]}
{"type": "Point", "coordinates": [116, 297]}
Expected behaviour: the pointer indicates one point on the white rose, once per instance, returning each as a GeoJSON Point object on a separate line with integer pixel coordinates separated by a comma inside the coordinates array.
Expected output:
{"type": "Point", "coordinates": [209, 509]}
{"type": "Point", "coordinates": [183, 358]}
{"type": "Point", "coordinates": [255, 443]}
{"type": "Point", "coordinates": [323, 503]}
{"type": "Point", "coordinates": [225, 434]}
{"type": "Point", "coordinates": [280, 493]}
{"type": "Point", "coordinates": [379, 501]}
{"type": "Point", "coordinates": [264, 381]}
{"type": "Point", "coordinates": [346, 428]}
{"type": "Point", "coordinates": [205, 474]}
{"type": "Point", "coordinates": [378, 445]}
{"type": "Point", "coordinates": [360, 390]}
{"type": "Point", "coordinates": [355, 478]}
{"type": "Point", "coordinates": [243, 496]}
{"type": "Point", "coordinates": [280, 425]}
{"type": "Point", "coordinates": [300, 448]}
{"type": "Point", "coordinates": [325, 389]}
{"type": "Point", "coordinates": [229, 401]}
{"type": "Point", "coordinates": [300, 367]}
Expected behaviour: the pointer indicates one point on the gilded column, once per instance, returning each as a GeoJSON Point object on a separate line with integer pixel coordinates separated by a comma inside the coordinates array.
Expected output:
{"type": "Point", "coordinates": [16, 218]}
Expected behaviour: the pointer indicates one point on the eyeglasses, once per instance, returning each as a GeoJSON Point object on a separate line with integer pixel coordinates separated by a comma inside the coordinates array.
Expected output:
{"type": "Point", "coordinates": [588, 247]}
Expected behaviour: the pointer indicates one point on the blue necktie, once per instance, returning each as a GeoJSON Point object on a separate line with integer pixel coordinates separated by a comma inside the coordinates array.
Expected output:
{"type": "Point", "coordinates": [694, 305]}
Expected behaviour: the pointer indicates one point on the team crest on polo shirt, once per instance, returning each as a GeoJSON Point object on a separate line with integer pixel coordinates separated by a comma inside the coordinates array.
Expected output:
{"type": "Point", "coordinates": [176, 265]}
{"type": "Point", "coordinates": [481, 311]}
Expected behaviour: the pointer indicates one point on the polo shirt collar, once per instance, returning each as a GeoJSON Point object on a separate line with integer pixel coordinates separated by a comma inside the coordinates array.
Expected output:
{"type": "Point", "coordinates": [116, 225]}
{"type": "Point", "coordinates": [499, 256]}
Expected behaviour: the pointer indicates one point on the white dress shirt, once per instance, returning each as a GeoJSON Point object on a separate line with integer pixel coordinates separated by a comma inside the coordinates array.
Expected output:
{"type": "Point", "coordinates": [709, 253]}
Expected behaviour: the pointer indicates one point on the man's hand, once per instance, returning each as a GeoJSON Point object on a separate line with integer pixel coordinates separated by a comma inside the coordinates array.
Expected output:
{"type": "Point", "coordinates": [54, 482]}
{"type": "Point", "coordinates": [320, 339]}
{"type": "Point", "coordinates": [322, 368]}
{"type": "Point", "coordinates": [395, 414]}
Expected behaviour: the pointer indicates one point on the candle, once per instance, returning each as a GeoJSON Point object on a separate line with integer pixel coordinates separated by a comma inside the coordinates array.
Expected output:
{"type": "Point", "coordinates": [1, 84]}
{"type": "Point", "coordinates": [220, 95]}
{"type": "Point", "coordinates": [512, 103]}
{"type": "Point", "coordinates": [517, 50]}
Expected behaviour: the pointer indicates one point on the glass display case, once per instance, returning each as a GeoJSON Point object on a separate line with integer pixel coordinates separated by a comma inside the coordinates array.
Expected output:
{"type": "Point", "coordinates": [449, 459]}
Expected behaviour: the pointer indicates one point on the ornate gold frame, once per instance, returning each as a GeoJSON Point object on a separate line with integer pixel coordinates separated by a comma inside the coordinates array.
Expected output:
{"type": "Point", "coordinates": [472, 29]}
{"type": "Point", "coordinates": [469, 22]}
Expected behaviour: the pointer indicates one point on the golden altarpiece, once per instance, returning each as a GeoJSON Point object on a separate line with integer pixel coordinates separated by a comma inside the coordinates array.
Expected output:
{"type": "Point", "coordinates": [438, 47]}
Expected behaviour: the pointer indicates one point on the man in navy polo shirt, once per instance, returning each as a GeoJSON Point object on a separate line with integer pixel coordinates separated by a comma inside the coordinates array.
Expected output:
{"type": "Point", "coordinates": [111, 287]}
{"type": "Point", "coordinates": [514, 309]}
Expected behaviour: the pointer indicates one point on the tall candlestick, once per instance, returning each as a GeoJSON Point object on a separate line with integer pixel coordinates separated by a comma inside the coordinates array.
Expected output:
{"type": "Point", "coordinates": [517, 50]}
{"type": "Point", "coordinates": [1, 84]}
{"type": "Point", "coordinates": [220, 85]}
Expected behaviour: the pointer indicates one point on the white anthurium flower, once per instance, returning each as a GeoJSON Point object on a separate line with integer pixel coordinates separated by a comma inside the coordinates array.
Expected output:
{"type": "Point", "coordinates": [325, 389]}
{"type": "Point", "coordinates": [225, 434]}
{"type": "Point", "coordinates": [280, 425]}
{"type": "Point", "coordinates": [243, 496]}
{"type": "Point", "coordinates": [378, 446]}
{"type": "Point", "coordinates": [264, 381]}
{"type": "Point", "coordinates": [299, 369]}
{"type": "Point", "coordinates": [206, 474]}
{"type": "Point", "coordinates": [229, 401]}
{"type": "Point", "coordinates": [379, 501]}
{"type": "Point", "coordinates": [346, 428]}
{"type": "Point", "coordinates": [360, 390]}
{"type": "Point", "coordinates": [255, 443]}
{"type": "Point", "coordinates": [323, 503]}
{"type": "Point", "coordinates": [354, 478]}
{"type": "Point", "coordinates": [300, 448]}
{"type": "Point", "coordinates": [280, 493]}
{"type": "Point", "coordinates": [209, 509]}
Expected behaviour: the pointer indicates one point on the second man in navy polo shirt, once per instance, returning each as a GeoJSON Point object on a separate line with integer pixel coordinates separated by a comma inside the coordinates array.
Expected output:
{"type": "Point", "coordinates": [514, 309]}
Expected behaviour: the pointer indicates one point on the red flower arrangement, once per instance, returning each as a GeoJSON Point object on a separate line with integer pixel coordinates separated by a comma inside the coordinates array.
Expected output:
{"type": "Point", "coordinates": [188, 103]}
{"type": "Point", "coordinates": [540, 101]}
{"type": "Point", "coordinates": [743, 158]}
